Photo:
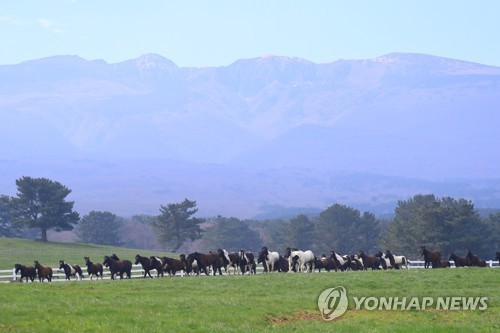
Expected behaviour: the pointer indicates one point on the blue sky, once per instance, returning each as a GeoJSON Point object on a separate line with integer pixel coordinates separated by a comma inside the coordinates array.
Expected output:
{"type": "Point", "coordinates": [216, 33]}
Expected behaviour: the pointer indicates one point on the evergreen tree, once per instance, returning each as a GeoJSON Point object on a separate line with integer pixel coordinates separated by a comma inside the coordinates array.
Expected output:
{"type": "Point", "coordinates": [102, 228]}
{"type": "Point", "coordinates": [299, 233]}
{"type": "Point", "coordinates": [176, 224]}
{"type": "Point", "coordinates": [231, 234]}
{"type": "Point", "coordinates": [7, 226]}
{"type": "Point", "coordinates": [41, 203]}
{"type": "Point", "coordinates": [441, 224]}
{"type": "Point", "coordinates": [344, 230]}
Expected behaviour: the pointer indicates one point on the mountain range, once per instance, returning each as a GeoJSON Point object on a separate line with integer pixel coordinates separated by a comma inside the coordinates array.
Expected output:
{"type": "Point", "coordinates": [254, 137]}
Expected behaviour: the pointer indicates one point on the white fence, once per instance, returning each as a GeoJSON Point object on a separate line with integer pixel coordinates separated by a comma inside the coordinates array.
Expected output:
{"type": "Point", "coordinates": [9, 275]}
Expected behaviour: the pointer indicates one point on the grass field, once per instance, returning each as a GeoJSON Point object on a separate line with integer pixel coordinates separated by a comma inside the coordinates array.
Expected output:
{"type": "Point", "coordinates": [13, 250]}
{"type": "Point", "coordinates": [265, 302]}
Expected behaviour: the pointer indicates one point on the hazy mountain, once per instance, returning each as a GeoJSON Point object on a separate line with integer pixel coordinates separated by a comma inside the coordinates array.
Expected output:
{"type": "Point", "coordinates": [264, 132]}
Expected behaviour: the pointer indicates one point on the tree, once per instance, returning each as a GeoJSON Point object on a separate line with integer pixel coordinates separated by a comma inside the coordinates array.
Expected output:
{"type": "Point", "coordinates": [231, 234]}
{"type": "Point", "coordinates": [441, 224]}
{"type": "Point", "coordinates": [175, 224]}
{"type": "Point", "coordinates": [345, 230]}
{"type": "Point", "coordinates": [7, 226]}
{"type": "Point", "coordinates": [492, 240]}
{"type": "Point", "coordinates": [40, 203]}
{"type": "Point", "coordinates": [102, 228]}
{"type": "Point", "coordinates": [299, 232]}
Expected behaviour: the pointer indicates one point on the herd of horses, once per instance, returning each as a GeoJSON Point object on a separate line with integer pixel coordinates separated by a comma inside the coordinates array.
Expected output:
{"type": "Point", "coordinates": [433, 259]}
{"type": "Point", "coordinates": [244, 262]}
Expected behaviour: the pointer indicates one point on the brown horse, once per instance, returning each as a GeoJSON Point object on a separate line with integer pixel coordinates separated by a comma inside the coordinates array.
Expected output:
{"type": "Point", "coordinates": [444, 264]}
{"type": "Point", "coordinates": [26, 272]}
{"type": "Point", "coordinates": [369, 261]}
{"type": "Point", "coordinates": [205, 261]}
{"type": "Point", "coordinates": [44, 272]}
{"type": "Point", "coordinates": [431, 258]}
{"type": "Point", "coordinates": [459, 261]}
{"type": "Point", "coordinates": [172, 266]}
{"type": "Point", "coordinates": [93, 269]}
{"type": "Point", "coordinates": [475, 260]}
{"type": "Point", "coordinates": [117, 267]}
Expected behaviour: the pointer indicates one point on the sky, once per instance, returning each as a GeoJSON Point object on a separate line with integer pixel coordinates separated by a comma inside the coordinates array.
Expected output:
{"type": "Point", "coordinates": [196, 33]}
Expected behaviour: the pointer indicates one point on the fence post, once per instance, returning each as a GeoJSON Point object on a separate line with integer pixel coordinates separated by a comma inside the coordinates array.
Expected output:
{"type": "Point", "coordinates": [13, 274]}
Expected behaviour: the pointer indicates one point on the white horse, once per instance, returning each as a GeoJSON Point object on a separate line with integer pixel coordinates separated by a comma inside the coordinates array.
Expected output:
{"type": "Point", "coordinates": [269, 258]}
{"type": "Point", "coordinates": [303, 258]}
{"type": "Point", "coordinates": [396, 261]}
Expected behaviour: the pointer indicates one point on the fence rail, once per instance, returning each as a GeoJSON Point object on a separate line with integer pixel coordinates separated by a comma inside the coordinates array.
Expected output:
{"type": "Point", "coordinates": [9, 275]}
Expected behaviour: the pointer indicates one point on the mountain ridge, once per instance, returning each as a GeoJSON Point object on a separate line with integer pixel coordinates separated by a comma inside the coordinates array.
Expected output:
{"type": "Point", "coordinates": [409, 116]}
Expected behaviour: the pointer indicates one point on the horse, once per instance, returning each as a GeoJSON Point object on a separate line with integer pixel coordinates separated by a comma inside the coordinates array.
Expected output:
{"type": "Point", "coordinates": [497, 256]}
{"type": "Point", "coordinates": [356, 263]}
{"type": "Point", "coordinates": [128, 263]}
{"type": "Point", "coordinates": [384, 261]}
{"type": "Point", "coordinates": [304, 259]}
{"type": "Point", "coordinates": [342, 262]}
{"type": "Point", "coordinates": [71, 270]}
{"type": "Point", "coordinates": [172, 265]}
{"type": "Point", "coordinates": [192, 267]}
{"type": "Point", "coordinates": [156, 263]}
{"type": "Point", "coordinates": [475, 260]}
{"type": "Point", "coordinates": [397, 261]}
{"type": "Point", "coordinates": [247, 262]}
{"type": "Point", "coordinates": [117, 267]}
{"type": "Point", "coordinates": [145, 263]}
{"type": "Point", "coordinates": [430, 258]}
{"type": "Point", "coordinates": [369, 261]}
{"type": "Point", "coordinates": [444, 264]}
{"type": "Point", "coordinates": [27, 272]}
{"type": "Point", "coordinates": [205, 260]}
{"type": "Point", "coordinates": [230, 259]}
{"type": "Point", "coordinates": [44, 272]}
{"type": "Point", "coordinates": [268, 259]}
{"type": "Point", "coordinates": [324, 263]}
{"type": "Point", "coordinates": [459, 261]}
{"type": "Point", "coordinates": [92, 268]}
{"type": "Point", "coordinates": [282, 265]}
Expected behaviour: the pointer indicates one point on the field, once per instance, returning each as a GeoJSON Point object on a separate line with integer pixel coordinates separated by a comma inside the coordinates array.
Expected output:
{"type": "Point", "coordinates": [265, 302]}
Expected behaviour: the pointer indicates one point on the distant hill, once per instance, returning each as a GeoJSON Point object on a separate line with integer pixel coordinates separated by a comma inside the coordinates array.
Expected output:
{"type": "Point", "coordinates": [263, 132]}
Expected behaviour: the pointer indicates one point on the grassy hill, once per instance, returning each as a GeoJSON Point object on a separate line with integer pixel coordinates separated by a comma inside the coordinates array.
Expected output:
{"type": "Point", "coordinates": [23, 251]}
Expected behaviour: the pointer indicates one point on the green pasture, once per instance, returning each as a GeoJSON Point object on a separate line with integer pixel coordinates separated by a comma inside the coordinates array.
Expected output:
{"type": "Point", "coordinates": [22, 251]}
{"type": "Point", "coordinates": [264, 302]}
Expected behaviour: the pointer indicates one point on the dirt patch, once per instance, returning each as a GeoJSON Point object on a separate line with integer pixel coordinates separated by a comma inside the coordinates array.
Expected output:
{"type": "Point", "coordinates": [294, 317]}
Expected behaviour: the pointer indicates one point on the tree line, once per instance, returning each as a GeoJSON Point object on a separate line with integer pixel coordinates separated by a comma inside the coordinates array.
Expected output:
{"type": "Point", "coordinates": [443, 224]}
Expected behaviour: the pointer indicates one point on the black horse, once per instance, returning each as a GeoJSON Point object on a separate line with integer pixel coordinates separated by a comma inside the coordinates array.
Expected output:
{"type": "Point", "coordinates": [145, 263]}
{"type": "Point", "coordinates": [157, 263]}
{"type": "Point", "coordinates": [27, 272]}
{"type": "Point", "coordinates": [71, 270]}
{"type": "Point", "coordinates": [247, 262]}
